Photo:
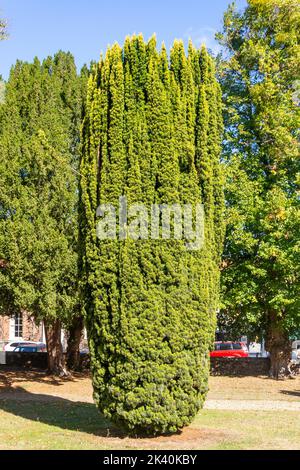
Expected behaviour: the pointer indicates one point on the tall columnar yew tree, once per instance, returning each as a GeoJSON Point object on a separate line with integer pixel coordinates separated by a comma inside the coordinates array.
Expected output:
{"type": "Point", "coordinates": [39, 138]}
{"type": "Point", "coordinates": [261, 89]}
{"type": "Point", "coordinates": [152, 133]}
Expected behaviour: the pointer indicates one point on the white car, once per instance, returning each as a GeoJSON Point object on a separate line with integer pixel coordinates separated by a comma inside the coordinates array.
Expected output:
{"type": "Point", "coordinates": [10, 347]}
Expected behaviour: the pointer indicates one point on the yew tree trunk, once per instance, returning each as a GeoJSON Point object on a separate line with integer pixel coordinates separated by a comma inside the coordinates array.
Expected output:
{"type": "Point", "coordinates": [56, 358]}
{"type": "Point", "coordinates": [74, 340]}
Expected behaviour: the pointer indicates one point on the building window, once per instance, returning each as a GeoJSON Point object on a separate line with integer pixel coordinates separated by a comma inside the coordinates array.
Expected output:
{"type": "Point", "coordinates": [18, 325]}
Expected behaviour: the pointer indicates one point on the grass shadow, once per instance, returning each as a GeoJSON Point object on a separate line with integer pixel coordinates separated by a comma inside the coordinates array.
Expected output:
{"type": "Point", "coordinates": [59, 412]}
{"type": "Point", "coordinates": [11, 376]}
{"type": "Point", "coordinates": [293, 393]}
{"type": "Point", "coordinates": [70, 415]}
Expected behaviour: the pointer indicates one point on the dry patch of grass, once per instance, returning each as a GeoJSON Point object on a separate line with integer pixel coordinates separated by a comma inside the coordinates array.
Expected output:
{"type": "Point", "coordinates": [79, 387]}
{"type": "Point", "coordinates": [254, 388]}
{"type": "Point", "coordinates": [29, 384]}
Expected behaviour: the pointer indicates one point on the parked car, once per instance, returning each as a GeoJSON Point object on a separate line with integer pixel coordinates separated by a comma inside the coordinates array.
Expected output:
{"type": "Point", "coordinates": [14, 344]}
{"type": "Point", "coordinates": [10, 347]}
{"type": "Point", "coordinates": [230, 349]}
{"type": "Point", "coordinates": [32, 348]}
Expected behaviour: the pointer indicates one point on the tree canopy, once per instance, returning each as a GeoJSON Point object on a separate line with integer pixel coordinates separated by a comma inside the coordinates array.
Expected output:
{"type": "Point", "coordinates": [3, 29]}
{"type": "Point", "coordinates": [261, 151]}
{"type": "Point", "coordinates": [39, 159]}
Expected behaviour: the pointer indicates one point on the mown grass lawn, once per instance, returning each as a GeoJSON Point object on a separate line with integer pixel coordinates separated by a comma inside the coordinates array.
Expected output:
{"type": "Point", "coordinates": [63, 425]}
{"type": "Point", "coordinates": [40, 412]}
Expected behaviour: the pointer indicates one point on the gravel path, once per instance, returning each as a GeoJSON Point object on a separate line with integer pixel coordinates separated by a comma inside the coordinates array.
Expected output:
{"type": "Point", "coordinates": [256, 405]}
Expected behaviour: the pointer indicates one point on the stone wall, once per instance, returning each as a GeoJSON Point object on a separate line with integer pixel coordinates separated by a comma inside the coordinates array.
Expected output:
{"type": "Point", "coordinates": [243, 366]}
{"type": "Point", "coordinates": [236, 367]}
{"type": "Point", "coordinates": [26, 360]}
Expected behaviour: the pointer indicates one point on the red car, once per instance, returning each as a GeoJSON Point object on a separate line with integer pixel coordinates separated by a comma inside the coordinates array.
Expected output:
{"type": "Point", "coordinates": [230, 349]}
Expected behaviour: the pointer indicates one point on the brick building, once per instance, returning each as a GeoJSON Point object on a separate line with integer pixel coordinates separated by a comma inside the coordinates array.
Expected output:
{"type": "Point", "coordinates": [20, 327]}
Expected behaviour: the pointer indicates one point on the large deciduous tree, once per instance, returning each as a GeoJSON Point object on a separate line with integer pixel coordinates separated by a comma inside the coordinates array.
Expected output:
{"type": "Point", "coordinates": [3, 35]}
{"type": "Point", "coordinates": [262, 115]}
{"type": "Point", "coordinates": [39, 141]}
{"type": "Point", "coordinates": [152, 133]}
{"type": "Point", "coordinates": [3, 29]}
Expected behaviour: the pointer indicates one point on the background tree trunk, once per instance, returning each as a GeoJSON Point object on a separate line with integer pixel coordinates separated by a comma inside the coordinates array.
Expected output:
{"type": "Point", "coordinates": [280, 349]}
{"type": "Point", "coordinates": [74, 339]}
{"type": "Point", "coordinates": [56, 359]}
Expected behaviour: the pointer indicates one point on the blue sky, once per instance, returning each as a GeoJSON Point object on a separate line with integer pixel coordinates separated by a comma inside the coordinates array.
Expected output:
{"type": "Point", "coordinates": [42, 27]}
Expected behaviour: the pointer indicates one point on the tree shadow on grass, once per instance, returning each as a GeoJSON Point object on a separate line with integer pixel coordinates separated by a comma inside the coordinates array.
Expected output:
{"type": "Point", "coordinates": [59, 412]}
{"type": "Point", "coordinates": [73, 416]}
{"type": "Point", "coordinates": [11, 376]}
{"type": "Point", "coordinates": [65, 414]}
{"type": "Point", "coordinates": [294, 393]}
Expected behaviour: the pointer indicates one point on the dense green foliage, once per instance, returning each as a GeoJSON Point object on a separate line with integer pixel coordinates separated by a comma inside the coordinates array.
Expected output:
{"type": "Point", "coordinates": [39, 147]}
{"type": "Point", "coordinates": [2, 90]}
{"type": "Point", "coordinates": [152, 132]}
{"type": "Point", "coordinates": [262, 255]}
